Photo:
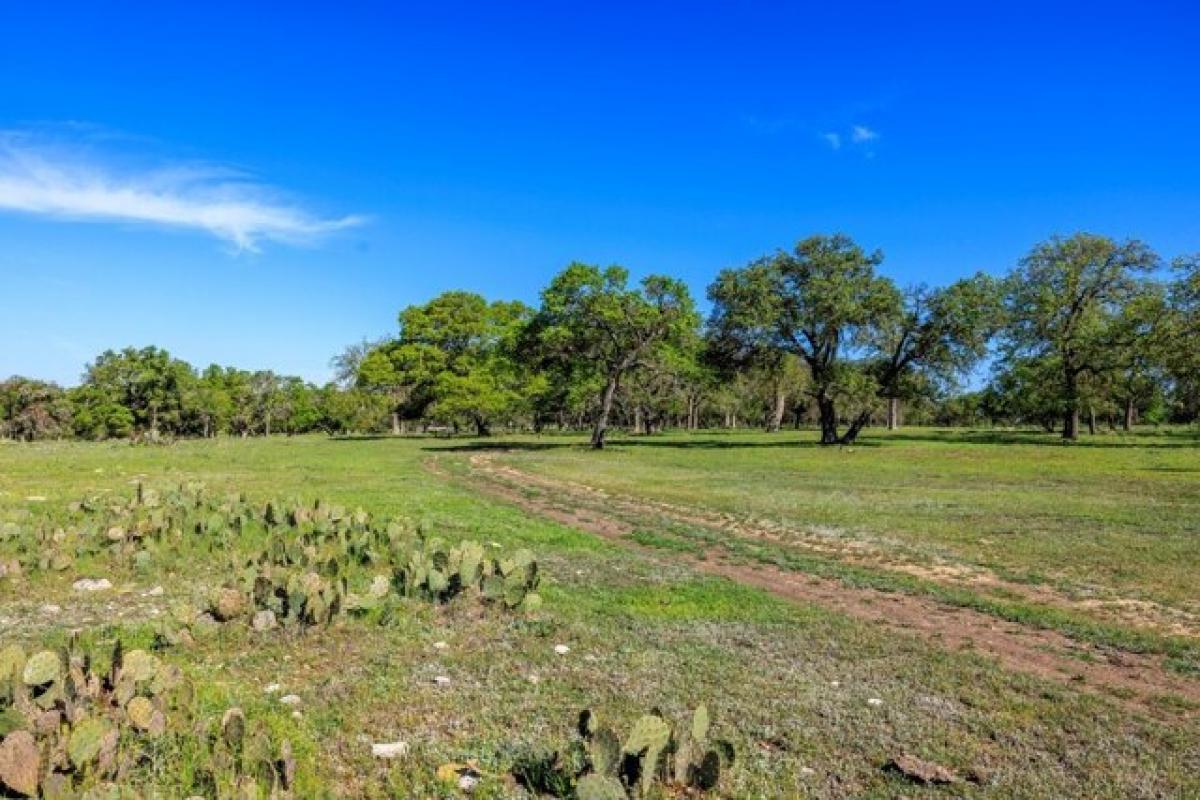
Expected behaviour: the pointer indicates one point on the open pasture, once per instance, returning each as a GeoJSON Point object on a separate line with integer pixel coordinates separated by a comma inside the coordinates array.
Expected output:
{"type": "Point", "coordinates": [658, 593]}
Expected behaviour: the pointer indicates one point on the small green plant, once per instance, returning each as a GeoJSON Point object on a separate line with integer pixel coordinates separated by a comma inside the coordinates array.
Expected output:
{"type": "Point", "coordinates": [598, 765]}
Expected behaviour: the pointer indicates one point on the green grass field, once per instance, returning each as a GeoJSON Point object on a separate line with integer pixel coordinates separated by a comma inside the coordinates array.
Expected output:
{"type": "Point", "coordinates": [1086, 530]}
{"type": "Point", "coordinates": [1121, 514]}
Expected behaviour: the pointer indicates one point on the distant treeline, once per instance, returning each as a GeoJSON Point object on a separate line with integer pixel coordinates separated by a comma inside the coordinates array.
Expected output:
{"type": "Point", "coordinates": [1084, 330]}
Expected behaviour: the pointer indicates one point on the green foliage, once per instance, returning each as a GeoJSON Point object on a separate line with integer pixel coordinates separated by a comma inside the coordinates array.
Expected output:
{"type": "Point", "coordinates": [453, 361]}
{"type": "Point", "coordinates": [31, 409]}
{"type": "Point", "coordinates": [820, 302]}
{"type": "Point", "coordinates": [148, 393]}
{"type": "Point", "coordinates": [148, 383]}
{"type": "Point", "coordinates": [99, 415]}
{"type": "Point", "coordinates": [815, 333]}
{"type": "Point", "coordinates": [1065, 304]}
{"type": "Point", "coordinates": [1182, 356]}
{"type": "Point", "coordinates": [599, 766]}
{"type": "Point", "coordinates": [859, 336]}
{"type": "Point", "coordinates": [591, 325]}
{"type": "Point", "coordinates": [310, 566]}
{"type": "Point", "coordinates": [81, 719]}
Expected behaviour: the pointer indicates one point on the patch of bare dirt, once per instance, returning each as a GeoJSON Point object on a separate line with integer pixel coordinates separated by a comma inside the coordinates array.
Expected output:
{"type": "Point", "coordinates": [1135, 680]}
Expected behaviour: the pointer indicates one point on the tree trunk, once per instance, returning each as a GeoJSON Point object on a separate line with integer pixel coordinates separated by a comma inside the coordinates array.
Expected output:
{"type": "Point", "coordinates": [395, 423]}
{"type": "Point", "coordinates": [606, 404]}
{"type": "Point", "coordinates": [637, 420]}
{"type": "Point", "coordinates": [855, 428]}
{"type": "Point", "coordinates": [1070, 431]}
{"type": "Point", "coordinates": [1091, 419]}
{"type": "Point", "coordinates": [829, 434]}
{"type": "Point", "coordinates": [481, 427]}
{"type": "Point", "coordinates": [1130, 414]}
{"type": "Point", "coordinates": [776, 421]}
{"type": "Point", "coordinates": [893, 414]}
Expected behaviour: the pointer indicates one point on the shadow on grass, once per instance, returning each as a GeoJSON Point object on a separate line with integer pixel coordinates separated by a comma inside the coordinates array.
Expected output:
{"type": "Point", "coordinates": [750, 439]}
{"type": "Point", "coordinates": [1142, 439]}
{"type": "Point", "coordinates": [360, 437]}
{"type": "Point", "coordinates": [693, 442]}
{"type": "Point", "coordinates": [500, 446]}
{"type": "Point", "coordinates": [708, 442]}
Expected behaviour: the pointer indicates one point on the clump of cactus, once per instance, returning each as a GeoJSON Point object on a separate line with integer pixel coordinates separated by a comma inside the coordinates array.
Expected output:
{"type": "Point", "coordinates": [133, 531]}
{"type": "Point", "coordinates": [315, 562]}
{"type": "Point", "coordinates": [269, 596]}
{"type": "Point", "coordinates": [72, 720]}
{"type": "Point", "coordinates": [599, 765]}
{"type": "Point", "coordinates": [289, 585]}
{"type": "Point", "coordinates": [66, 722]}
{"type": "Point", "coordinates": [308, 556]}
{"type": "Point", "coordinates": [434, 571]}
{"type": "Point", "coordinates": [237, 761]}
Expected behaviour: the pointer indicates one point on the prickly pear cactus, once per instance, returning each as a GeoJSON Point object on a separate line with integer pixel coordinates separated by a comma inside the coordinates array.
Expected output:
{"type": "Point", "coordinates": [600, 787]}
{"type": "Point", "coordinates": [676, 759]}
{"type": "Point", "coordinates": [272, 549]}
{"type": "Point", "coordinates": [41, 669]}
{"type": "Point", "coordinates": [69, 728]}
{"type": "Point", "coordinates": [88, 740]}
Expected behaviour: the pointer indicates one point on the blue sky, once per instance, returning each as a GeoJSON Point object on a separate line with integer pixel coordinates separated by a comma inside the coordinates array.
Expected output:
{"type": "Point", "coordinates": [260, 186]}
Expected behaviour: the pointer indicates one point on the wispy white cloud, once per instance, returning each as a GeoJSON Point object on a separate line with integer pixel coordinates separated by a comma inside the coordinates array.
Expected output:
{"type": "Point", "coordinates": [834, 140]}
{"type": "Point", "coordinates": [72, 181]}
{"type": "Point", "coordinates": [861, 133]}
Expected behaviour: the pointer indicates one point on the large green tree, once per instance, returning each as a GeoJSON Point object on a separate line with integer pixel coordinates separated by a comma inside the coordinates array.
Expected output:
{"type": "Point", "coordinates": [822, 301]}
{"type": "Point", "coordinates": [1183, 337]}
{"type": "Point", "coordinates": [859, 335]}
{"type": "Point", "coordinates": [935, 336]}
{"type": "Point", "coordinates": [595, 326]}
{"type": "Point", "coordinates": [147, 382]}
{"type": "Point", "coordinates": [1065, 303]}
{"type": "Point", "coordinates": [32, 409]}
{"type": "Point", "coordinates": [740, 341]}
{"type": "Point", "coordinates": [208, 402]}
{"type": "Point", "coordinates": [453, 359]}
{"type": "Point", "coordinates": [1143, 340]}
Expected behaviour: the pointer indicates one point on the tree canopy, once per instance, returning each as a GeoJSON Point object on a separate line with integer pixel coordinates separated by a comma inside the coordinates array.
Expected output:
{"type": "Point", "coordinates": [858, 334]}
{"type": "Point", "coordinates": [1065, 303]}
{"type": "Point", "coordinates": [1082, 325]}
{"type": "Point", "coordinates": [594, 326]}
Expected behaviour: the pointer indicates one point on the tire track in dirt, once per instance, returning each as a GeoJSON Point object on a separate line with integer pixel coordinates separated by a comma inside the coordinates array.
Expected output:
{"type": "Point", "coordinates": [861, 550]}
{"type": "Point", "coordinates": [1136, 681]}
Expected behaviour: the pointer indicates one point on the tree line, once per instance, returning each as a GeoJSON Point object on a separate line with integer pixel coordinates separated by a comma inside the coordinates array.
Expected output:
{"type": "Point", "coordinates": [148, 394]}
{"type": "Point", "coordinates": [1083, 330]}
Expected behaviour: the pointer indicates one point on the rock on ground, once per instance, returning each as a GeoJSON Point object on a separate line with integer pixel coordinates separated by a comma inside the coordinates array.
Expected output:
{"type": "Point", "coordinates": [389, 749]}
{"type": "Point", "coordinates": [91, 584]}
